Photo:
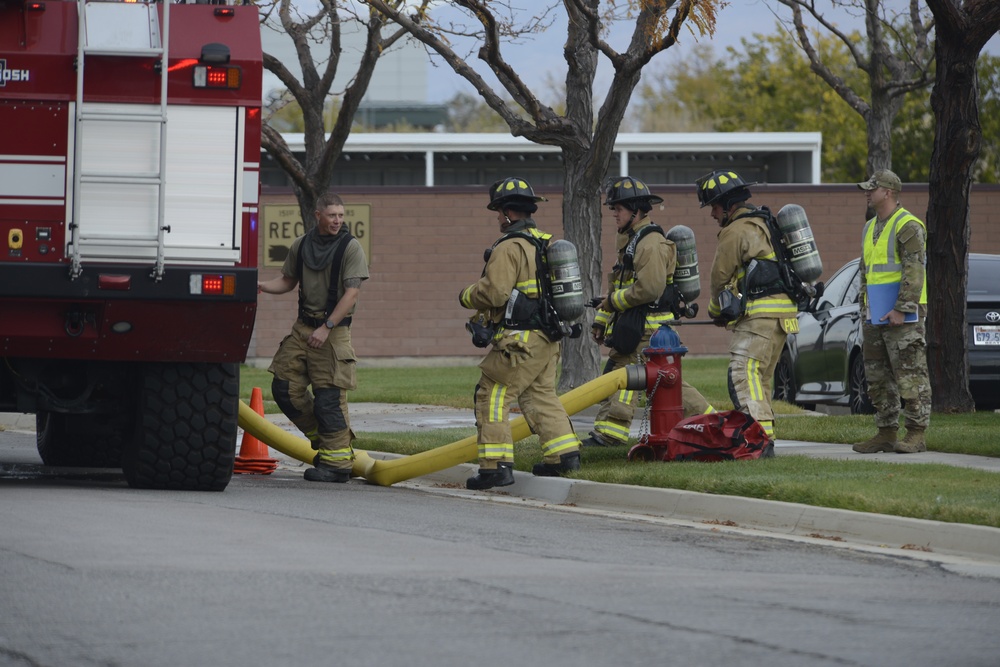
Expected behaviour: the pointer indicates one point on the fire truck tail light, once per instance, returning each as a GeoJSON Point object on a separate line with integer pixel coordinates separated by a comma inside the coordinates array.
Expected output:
{"type": "Point", "coordinates": [114, 282]}
{"type": "Point", "coordinates": [213, 284]}
{"type": "Point", "coordinates": [217, 76]}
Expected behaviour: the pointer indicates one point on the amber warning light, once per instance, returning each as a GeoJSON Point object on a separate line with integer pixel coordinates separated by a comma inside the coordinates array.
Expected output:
{"type": "Point", "coordinates": [213, 284]}
{"type": "Point", "coordinates": [217, 76]}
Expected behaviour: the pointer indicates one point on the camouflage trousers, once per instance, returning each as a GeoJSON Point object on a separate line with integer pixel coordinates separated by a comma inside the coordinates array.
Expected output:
{"type": "Point", "coordinates": [896, 368]}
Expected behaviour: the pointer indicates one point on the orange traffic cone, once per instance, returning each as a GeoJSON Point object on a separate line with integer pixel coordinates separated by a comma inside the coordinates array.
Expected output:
{"type": "Point", "coordinates": [253, 458]}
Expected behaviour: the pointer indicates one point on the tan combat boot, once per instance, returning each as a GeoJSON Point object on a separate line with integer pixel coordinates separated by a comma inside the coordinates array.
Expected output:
{"type": "Point", "coordinates": [912, 442]}
{"type": "Point", "coordinates": [884, 441]}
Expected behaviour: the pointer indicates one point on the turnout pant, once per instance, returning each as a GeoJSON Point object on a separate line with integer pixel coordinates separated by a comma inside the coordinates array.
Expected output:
{"type": "Point", "coordinates": [321, 414]}
{"type": "Point", "coordinates": [521, 368]}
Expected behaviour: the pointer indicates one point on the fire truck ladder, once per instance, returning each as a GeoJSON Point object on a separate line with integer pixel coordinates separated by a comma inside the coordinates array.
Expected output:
{"type": "Point", "coordinates": [143, 41]}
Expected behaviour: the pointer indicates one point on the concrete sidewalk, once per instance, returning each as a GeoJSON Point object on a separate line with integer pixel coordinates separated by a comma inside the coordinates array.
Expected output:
{"type": "Point", "coordinates": [394, 418]}
{"type": "Point", "coordinates": [390, 418]}
{"type": "Point", "coordinates": [933, 540]}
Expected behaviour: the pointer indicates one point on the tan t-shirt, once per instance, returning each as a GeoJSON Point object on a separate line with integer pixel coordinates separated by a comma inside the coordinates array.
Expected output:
{"type": "Point", "coordinates": [315, 285]}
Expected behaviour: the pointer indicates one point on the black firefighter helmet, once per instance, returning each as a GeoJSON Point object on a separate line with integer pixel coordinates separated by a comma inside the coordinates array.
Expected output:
{"type": "Point", "coordinates": [627, 190]}
{"type": "Point", "coordinates": [722, 187]}
{"type": "Point", "coordinates": [509, 191]}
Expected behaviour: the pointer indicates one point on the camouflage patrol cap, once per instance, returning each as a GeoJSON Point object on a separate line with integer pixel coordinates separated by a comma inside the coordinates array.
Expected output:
{"type": "Point", "coordinates": [883, 178]}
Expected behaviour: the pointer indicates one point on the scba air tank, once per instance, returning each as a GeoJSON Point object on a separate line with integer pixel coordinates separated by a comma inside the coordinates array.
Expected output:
{"type": "Point", "coordinates": [799, 242]}
{"type": "Point", "coordinates": [567, 287]}
{"type": "Point", "coordinates": [686, 274]}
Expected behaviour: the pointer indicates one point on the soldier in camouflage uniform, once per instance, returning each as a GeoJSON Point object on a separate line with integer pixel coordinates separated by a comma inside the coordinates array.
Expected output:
{"type": "Point", "coordinates": [521, 364]}
{"type": "Point", "coordinates": [895, 349]}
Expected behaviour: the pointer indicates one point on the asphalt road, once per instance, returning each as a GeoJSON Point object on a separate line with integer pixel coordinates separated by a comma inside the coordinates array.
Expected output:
{"type": "Point", "coordinates": [278, 571]}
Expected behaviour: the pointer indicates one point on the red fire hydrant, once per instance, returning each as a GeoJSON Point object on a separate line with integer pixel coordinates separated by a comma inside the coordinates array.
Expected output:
{"type": "Point", "coordinates": [663, 393]}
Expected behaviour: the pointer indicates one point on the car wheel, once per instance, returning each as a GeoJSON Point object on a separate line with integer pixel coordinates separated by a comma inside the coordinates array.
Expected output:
{"type": "Point", "coordinates": [860, 403]}
{"type": "Point", "coordinates": [784, 379]}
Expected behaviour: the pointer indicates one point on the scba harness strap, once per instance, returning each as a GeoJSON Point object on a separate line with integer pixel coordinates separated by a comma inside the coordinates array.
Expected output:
{"type": "Point", "coordinates": [764, 278]}
{"type": "Point", "coordinates": [526, 313]}
{"type": "Point", "coordinates": [669, 300]}
{"type": "Point", "coordinates": [336, 265]}
{"type": "Point", "coordinates": [628, 262]}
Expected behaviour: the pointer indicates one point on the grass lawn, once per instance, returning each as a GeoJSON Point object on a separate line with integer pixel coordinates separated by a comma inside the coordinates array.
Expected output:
{"type": "Point", "coordinates": [922, 491]}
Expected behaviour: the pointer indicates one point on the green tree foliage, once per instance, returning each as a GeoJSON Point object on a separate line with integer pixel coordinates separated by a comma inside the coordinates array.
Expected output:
{"type": "Point", "coordinates": [767, 86]}
{"type": "Point", "coordinates": [283, 113]}
{"type": "Point", "coordinates": [913, 130]}
{"type": "Point", "coordinates": [686, 97]}
{"type": "Point", "coordinates": [988, 168]}
{"type": "Point", "coordinates": [764, 86]}
{"type": "Point", "coordinates": [913, 138]}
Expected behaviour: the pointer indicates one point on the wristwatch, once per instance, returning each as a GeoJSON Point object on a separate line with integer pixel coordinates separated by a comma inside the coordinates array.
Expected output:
{"type": "Point", "coordinates": [329, 324]}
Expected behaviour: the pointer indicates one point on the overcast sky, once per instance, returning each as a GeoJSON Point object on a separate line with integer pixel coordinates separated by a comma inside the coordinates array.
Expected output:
{"type": "Point", "coordinates": [742, 18]}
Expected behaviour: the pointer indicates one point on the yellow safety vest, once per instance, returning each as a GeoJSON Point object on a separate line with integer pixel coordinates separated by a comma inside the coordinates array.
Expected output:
{"type": "Point", "coordinates": [881, 267]}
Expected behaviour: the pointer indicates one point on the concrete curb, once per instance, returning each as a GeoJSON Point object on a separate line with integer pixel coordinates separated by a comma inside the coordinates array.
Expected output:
{"type": "Point", "coordinates": [791, 519]}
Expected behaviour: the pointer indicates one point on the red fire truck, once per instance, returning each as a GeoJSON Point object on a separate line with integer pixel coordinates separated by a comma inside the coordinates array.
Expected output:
{"type": "Point", "coordinates": [129, 182]}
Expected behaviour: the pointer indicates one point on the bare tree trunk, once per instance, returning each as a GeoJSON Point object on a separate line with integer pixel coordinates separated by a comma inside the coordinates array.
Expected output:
{"type": "Point", "coordinates": [878, 120]}
{"type": "Point", "coordinates": [581, 357]}
{"type": "Point", "coordinates": [879, 127]}
{"type": "Point", "coordinates": [586, 146]}
{"type": "Point", "coordinates": [956, 148]}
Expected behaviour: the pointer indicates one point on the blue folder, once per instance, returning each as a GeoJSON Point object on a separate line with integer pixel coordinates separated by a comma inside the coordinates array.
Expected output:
{"type": "Point", "coordinates": [882, 299]}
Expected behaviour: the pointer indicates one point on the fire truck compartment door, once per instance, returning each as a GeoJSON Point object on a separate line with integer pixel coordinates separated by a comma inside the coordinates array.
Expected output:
{"type": "Point", "coordinates": [203, 181]}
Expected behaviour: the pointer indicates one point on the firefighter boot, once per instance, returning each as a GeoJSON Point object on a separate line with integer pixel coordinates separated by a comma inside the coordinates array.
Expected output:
{"type": "Point", "coordinates": [768, 451]}
{"type": "Point", "coordinates": [325, 473]}
{"type": "Point", "coordinates": [598, 440]}
{"type": "Point", "coordinates": [487, 479]}
{"type": "Point", "coordinates": [912, 442]}
{"type": "Point", "coordinates": [884, 441]}
{"type": "Point", "coordinates": [567, 463]}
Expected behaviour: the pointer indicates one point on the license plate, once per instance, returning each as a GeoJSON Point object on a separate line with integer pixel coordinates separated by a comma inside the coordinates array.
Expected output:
{"type": "Point", "coordinates": [986, 334]}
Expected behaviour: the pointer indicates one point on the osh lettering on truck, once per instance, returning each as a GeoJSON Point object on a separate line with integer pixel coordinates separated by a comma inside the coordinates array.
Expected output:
{"type": "Point", "coordinates": [12, 74]}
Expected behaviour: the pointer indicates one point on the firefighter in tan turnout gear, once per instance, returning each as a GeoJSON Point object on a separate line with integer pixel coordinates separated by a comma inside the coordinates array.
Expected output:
{"type": "Point", "coordinates": [522, 362]}
{"type": "Point", "coordinates": [748, 295]}
{"type": "Point", "coordinates": [328, 265]}
{"type": "Point", "coordinates": [635, 307]}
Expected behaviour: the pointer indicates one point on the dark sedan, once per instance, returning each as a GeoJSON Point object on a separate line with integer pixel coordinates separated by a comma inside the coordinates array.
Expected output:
{"type": "Point", "coordinates": [822, 364]}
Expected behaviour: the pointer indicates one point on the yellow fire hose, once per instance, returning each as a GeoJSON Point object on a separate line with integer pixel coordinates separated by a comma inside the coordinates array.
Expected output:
{"type": "Point", "coordinates": [387, 473]}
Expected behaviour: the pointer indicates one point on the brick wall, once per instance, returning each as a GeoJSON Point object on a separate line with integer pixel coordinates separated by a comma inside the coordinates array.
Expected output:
{"type": "Point", "coordinates": [427, 245]}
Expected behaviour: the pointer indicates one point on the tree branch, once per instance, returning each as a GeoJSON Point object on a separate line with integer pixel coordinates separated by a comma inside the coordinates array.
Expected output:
{"type": "Point", "coordinates": [583, 13]}
{"type": "Point", "coordinates": [543, 116]}
{"type": "Point", "coordinates": [274, 144]}
{"type": "Point", "coordinates": [816, 64]}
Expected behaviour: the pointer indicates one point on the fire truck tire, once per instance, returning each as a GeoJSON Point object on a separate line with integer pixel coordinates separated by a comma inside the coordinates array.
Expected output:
{"type": "Point", "coordinates": [186, 431]}
{"type": "Point", "coordinates": [80, 441]}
